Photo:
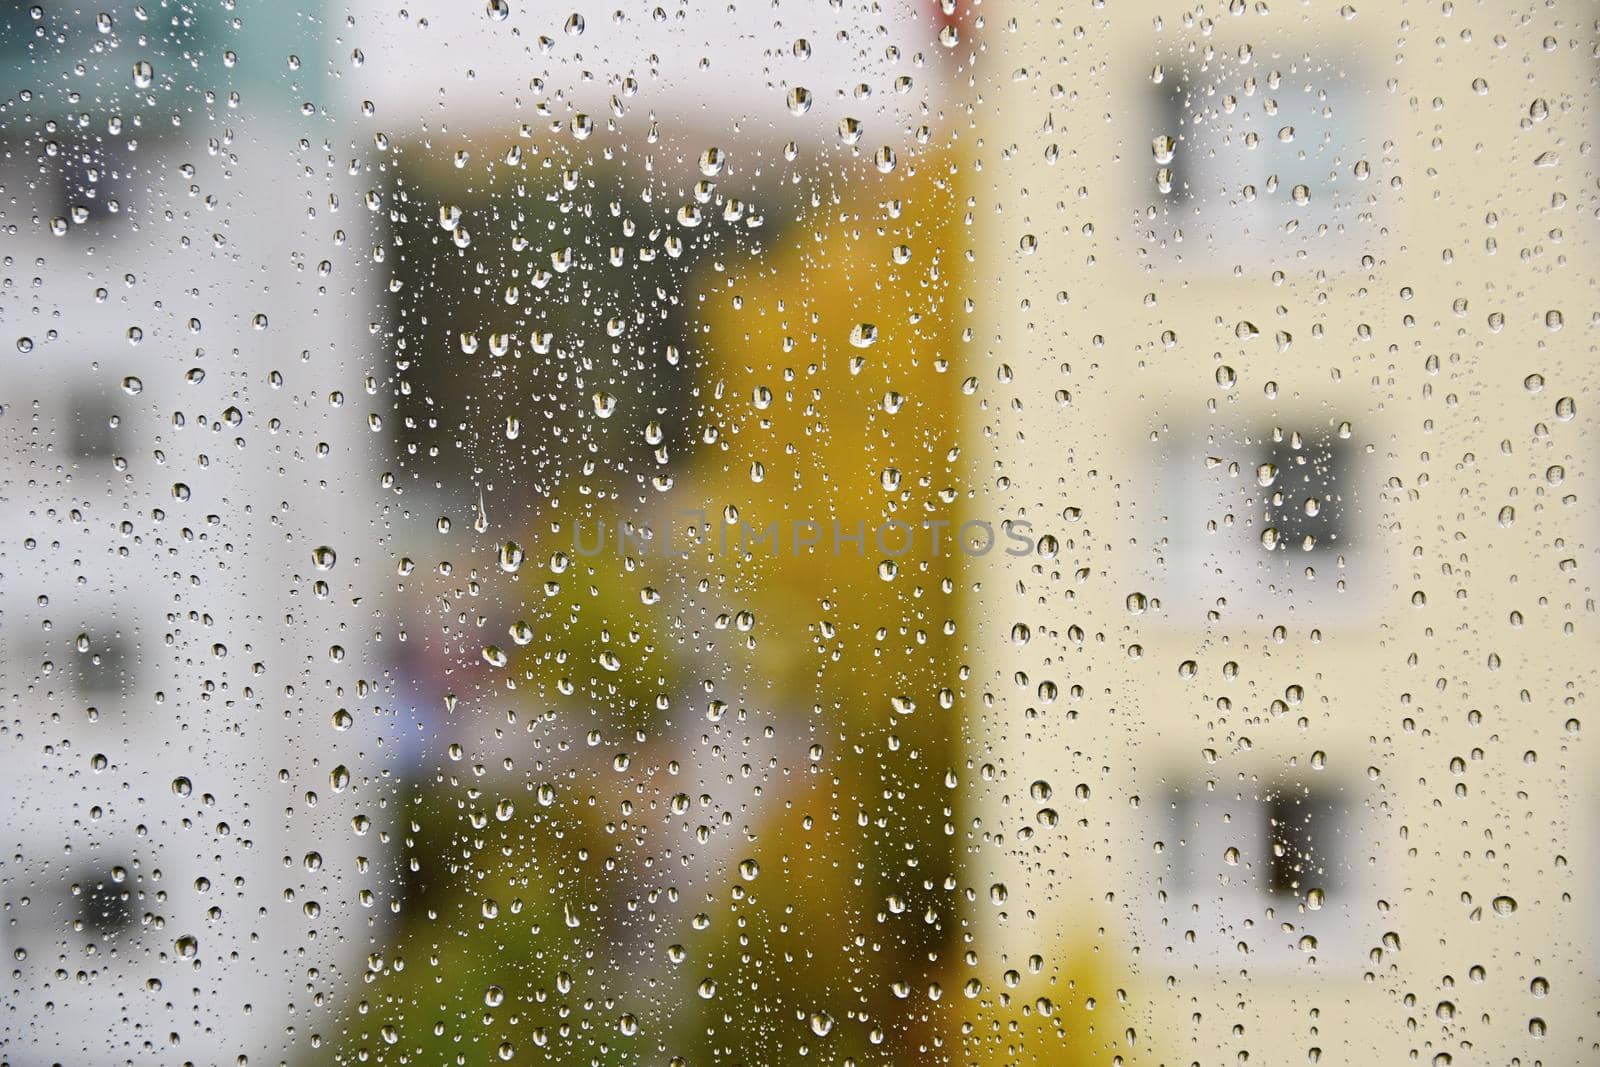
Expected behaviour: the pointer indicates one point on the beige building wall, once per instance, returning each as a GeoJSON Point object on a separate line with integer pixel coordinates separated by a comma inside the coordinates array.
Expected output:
{"type": "Point", "coordinates": [1303, 757]}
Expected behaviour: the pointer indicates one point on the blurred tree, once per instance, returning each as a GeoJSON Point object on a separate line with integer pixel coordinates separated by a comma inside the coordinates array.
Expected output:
{"type": "Point", "coordinates": [831, 377]}
{"type": "Point", "coordinates": [638, 880]}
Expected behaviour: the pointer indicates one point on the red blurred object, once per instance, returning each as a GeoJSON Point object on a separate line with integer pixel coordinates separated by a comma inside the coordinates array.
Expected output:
{"type": "Point", "coordinates": [961, 14]}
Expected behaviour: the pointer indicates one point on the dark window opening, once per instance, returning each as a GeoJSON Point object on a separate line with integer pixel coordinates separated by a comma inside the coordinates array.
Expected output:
{"type": "Point", "coordinates": [1303, 852]}
{"type": "Point", "coordinates": [104, 904]}
{"type": "Point", "coordinates": [1172, 134]}
{"type": "Point", "coordinates": [93, 435]}
{"type": "Point", "coordinates": [1305, 482]}
{"type": "Point", "coordinates": [103, 668]}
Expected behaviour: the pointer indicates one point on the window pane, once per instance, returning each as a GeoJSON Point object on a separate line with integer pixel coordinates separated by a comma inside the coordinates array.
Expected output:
{"type": "Point", "coordinates": [935, 532]}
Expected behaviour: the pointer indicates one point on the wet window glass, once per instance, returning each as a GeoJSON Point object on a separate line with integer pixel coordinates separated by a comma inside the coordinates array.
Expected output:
{"type": "Point", "coordinates": [950, 532]}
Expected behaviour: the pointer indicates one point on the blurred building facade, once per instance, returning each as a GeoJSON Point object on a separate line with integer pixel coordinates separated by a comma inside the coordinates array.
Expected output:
{"type": "Point", "coordinates": [1294, 737]}
{"type": "Point", "coordinates": [185, 694]}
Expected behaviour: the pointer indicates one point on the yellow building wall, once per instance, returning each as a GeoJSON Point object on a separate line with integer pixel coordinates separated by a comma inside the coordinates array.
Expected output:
{"type": "Point", "coordinates": [1423, 673]}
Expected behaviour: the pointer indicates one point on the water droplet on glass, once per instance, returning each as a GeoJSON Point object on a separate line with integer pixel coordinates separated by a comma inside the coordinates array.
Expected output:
{"type": "Point", "coordinates": [863, 334]}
